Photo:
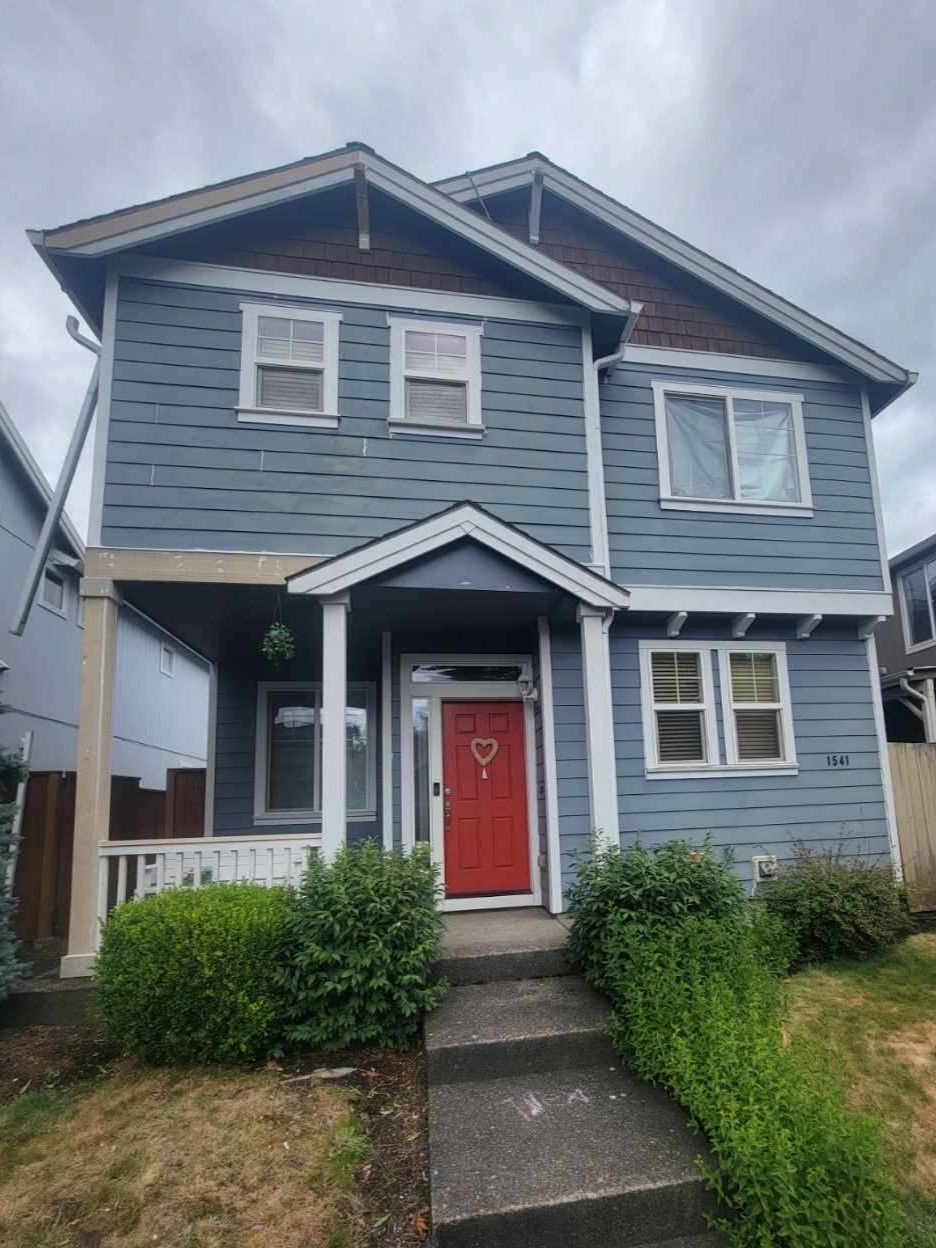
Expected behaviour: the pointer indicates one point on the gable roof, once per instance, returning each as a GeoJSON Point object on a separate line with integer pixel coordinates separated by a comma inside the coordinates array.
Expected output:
{"type": "Point", "coordinates": [455, 524]}
{"type": "Point", "coordinates": [510, 175]}
{"type": "Point", "coordinates": [919, 550]}
{"type": "Point", "coordinates": [95, 238]}
{"type": "Point", "coordinates": [11, 437]}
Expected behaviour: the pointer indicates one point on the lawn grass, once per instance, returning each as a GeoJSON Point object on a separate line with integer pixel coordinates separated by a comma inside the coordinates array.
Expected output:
{"type": "Point", "coordinates": [872, 1024]}
{"type": "Point", "coordinates": [202, 1158]}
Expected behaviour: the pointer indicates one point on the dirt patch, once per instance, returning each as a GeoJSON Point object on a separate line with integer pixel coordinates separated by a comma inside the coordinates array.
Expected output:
{"type": "Point", "coordinates": [391, 1102]}
{"type": "Point", "coordinates": [39, 1057]}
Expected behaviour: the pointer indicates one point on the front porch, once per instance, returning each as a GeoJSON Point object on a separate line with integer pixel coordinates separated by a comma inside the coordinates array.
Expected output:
{"type": "Point", "coordinates": [417, 708]}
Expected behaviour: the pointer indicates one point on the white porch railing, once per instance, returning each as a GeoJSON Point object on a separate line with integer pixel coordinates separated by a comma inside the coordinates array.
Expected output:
{"type": "Point", "coordinates": [128, 869]}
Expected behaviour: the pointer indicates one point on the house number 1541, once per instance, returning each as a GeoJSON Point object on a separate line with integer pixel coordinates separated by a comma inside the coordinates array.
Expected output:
{"type": "Point", "coordinates": [837, 760]}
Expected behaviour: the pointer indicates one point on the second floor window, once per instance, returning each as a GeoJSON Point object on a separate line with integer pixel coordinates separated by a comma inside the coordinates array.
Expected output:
{"type": "Point", "coordinates": [53, 591]}
{"type": "Point", "coordinates": [918, 591]}
{"type": "Point", "coordinates": [435, 378]}
{"type": "Point", "coordinates": [731, 450]}
{"type": "Point", "coordinates": [289, 366]}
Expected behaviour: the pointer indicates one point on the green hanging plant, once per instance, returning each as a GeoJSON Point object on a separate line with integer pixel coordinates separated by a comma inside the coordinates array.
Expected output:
{"type": "Point", "coordinates": [279, 643]}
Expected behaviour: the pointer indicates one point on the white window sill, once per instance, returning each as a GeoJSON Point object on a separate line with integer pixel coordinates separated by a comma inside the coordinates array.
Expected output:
{"type": "Point", "coordinates": [917, 645]}
{"type": "Point", "coordinates": [733, 769]}
{"type": "Point", "coordinates": [735, 506]}
{"type": "Point", "coordinates": [307, 817]}
{"type": "Point", "coordinates": [426, 430]}
{"type": "Point", "coordinates": [305, 420]}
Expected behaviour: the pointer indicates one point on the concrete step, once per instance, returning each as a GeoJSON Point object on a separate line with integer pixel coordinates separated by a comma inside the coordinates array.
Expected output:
{"type": "Point", "coordinates": [483, 1031]}
{"type": "Point", "coordinates": [496, 945]}
{"type": "Point", "coordinates": [563, 1159]}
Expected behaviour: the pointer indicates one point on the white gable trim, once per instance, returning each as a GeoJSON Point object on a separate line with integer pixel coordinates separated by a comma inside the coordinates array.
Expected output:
{"type": "Point", "coordinates": [345, 571]}
{"type": "Point", "coordinates": [134, 227]}
{"type": "Point", "coordinates": [690, 259]}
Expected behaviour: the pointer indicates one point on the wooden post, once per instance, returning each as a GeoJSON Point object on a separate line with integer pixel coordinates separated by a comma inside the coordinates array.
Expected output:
{"type": "Point", "coordinates": [93, 784]}
{"type": "Point", "coordinates": [334, 712]}
{"type": "Point", "coordinates": [594, 623]}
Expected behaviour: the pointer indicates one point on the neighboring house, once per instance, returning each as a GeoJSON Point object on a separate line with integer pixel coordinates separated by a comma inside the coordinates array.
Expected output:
{"type": "Point", "coordinates": [161, 690]}
{"type": "Point", "coordinates": [907, 646]}
{"type": "Point", "coordinates": [577, 528]}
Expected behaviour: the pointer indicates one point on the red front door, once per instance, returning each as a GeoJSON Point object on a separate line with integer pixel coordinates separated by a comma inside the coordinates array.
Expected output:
{"type": "Point", "coordinates": [487, 841]}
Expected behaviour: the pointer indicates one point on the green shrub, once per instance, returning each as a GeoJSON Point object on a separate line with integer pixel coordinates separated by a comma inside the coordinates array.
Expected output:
{"type": "Point", "coordinates": [643, 887]}
{"type": "Point", "coordinates": [697, 1010]}
{"type": "Point", "coordinates": [362, 935]}
{"type": "Point", "coordinates": [187, 976]}
{"type": "Point", "coordinates": [11, 772]}
{"type": "Point", "coordinates": [837, 907]}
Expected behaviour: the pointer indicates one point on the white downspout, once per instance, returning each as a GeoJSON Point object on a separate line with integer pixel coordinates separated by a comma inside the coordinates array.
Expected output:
{"type": "Point", "coordinates": [594, 455]}
{"type": "Point", "coordinates": [66, 476]}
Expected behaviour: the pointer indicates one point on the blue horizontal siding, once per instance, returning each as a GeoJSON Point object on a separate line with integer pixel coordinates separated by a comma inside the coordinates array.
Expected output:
{"type": "Point", "coordinates": [181, 471]}
{"type": "Point", "coordinates": [820, 806]}
{"type": "Point", "coordinates": [836, 548]}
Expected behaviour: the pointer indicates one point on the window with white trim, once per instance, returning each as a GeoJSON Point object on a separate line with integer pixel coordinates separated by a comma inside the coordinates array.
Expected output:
{"type": "Point", "coordinates": [679, 714]}
{"type": "Point", "coordinates": [731, 450]}
{"type": "Point", "coordinates": [288, 772]}
{"type": "Point", "coordinates": [166, 660]}
{"type": "Point", "coordinates": [289, 366]}
{"type": "Point", "coordinates": [679, 707]}
{"type": "Point", "coordinates": [918, 595]}
{"type": "Point", "coordinates": [53, 591]}
{"type": "Point", "coordinates": [435, 377]}
{"type": "Point", "coordinates": [758, 717]}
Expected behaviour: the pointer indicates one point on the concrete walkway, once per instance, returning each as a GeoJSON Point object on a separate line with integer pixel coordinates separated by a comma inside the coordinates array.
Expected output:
{"type": "Point", "coordinates": [537, 1137]}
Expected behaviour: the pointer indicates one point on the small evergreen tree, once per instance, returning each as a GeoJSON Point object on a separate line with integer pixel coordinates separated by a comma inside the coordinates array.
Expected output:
{"type": "Point", "coordinates": [11, 771]}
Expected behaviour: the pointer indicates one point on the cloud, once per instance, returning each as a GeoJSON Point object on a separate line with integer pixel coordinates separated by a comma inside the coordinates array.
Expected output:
{"type": "Point", "coordinates": [796, 146]}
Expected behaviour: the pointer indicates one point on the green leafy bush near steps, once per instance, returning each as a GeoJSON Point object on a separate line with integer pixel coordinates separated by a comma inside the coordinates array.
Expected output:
{"type": "Point", "coordinates": [697, 1010]}
{"type": "Point", "coordinates": [838, 907]}
{"type": "Point", "coordinates": [362, 934]}
{"type": "Point", "coordinates": [642, 887]}
{"type": "Point", "coordinates": [188, 976]}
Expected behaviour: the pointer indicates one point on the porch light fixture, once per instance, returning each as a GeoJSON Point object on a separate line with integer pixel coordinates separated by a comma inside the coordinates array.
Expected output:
{"type": "Point", "coordinates": [528, 691]}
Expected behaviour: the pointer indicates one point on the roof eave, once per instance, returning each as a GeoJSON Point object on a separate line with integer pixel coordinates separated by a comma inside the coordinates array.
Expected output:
{"type": "Point", "coordinates": [36, 477]}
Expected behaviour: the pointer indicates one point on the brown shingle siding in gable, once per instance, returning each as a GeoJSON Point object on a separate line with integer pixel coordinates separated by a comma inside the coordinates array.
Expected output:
{"type": "Point", "coordinates": [678, 311]}
{"type": "Point", "coordinates": [318, 238]}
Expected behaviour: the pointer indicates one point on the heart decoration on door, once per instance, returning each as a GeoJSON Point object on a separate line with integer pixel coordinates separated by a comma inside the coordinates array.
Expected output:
{"type": "Point", "coordinates": [484, 750]}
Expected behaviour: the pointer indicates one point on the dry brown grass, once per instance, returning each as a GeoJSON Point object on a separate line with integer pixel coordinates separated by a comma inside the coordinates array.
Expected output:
{"type": "Point", "coordinates": [207, 1160]}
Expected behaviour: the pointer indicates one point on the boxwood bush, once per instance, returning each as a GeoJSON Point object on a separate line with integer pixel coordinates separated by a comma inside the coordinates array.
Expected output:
{"type": "Point", "coordinates": [188, 976]}
{"type": "Point", "coordinates": [640, 887]}
{"type": "Point", "coordinates": [838, 907]}
{"type": "Point", "coordinates": [697, 1009]}
{"type": "Point", "coordinates": [362, 934]}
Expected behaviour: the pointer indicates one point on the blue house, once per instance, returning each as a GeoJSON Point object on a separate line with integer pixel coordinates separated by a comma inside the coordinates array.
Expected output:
{"type": "Point", "coordinates": [575, 529]}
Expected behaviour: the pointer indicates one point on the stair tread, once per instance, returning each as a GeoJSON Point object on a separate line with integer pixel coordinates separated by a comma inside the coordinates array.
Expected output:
{"type": "Point", "coordinates": [540, 1140]}
{"type": "Point", "coordinates": [515, 1010]}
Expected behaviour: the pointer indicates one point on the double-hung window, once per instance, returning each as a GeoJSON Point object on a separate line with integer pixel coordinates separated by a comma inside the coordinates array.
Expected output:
{"type": "Point", "coordinates": [918, 602]}
{"type": "Point", "coordinates": [731, 450]}
{"type": "Point", "coordinates": [289, 366]}
{"type": "Point", "coordinates": [679, 712]}
{"type": "Point", "coordinates": [53, 591]}
{"type": "Point", "coordinates": [288, 767]}
{"type": "Point", "coordinates": [435, 378]}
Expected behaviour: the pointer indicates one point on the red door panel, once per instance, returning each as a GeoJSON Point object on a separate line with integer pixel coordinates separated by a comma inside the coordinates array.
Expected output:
{"type": "Point", "coordinates": [487, 844]}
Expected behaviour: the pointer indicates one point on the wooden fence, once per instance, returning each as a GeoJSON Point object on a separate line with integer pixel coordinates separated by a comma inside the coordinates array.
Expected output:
{"type": "Point", "coordinates": [913, 773]}
{"type": "Point", "coordinates": [42, 884]}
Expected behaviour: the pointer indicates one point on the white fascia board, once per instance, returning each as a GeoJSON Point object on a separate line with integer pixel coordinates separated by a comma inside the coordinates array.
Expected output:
{"type": "Point", "coordinates": [34, 474]}
{"type": "Point", "coordinates": [686, 257]}
{"type": "Point", "coordinates": [450, 215]}
{"type": "Point", "coordinates": [329, 290]}
{"type": "Point", "coordinates": [734, 600]}
{"type": "Point", "coordinates": [128, 239]}
{"type": "Point", "coordinates": [345, 571]}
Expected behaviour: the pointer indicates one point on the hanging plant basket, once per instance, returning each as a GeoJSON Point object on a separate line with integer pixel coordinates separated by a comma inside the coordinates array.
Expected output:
{"type": "Point", "coordinates": [279, 644]}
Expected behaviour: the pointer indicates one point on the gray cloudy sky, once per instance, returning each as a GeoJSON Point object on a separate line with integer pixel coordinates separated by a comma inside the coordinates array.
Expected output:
{"type": "Point", "coordinates": [795, 140]}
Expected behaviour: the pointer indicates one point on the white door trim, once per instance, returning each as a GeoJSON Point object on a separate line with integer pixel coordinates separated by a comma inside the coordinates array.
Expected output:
{"type": "Point", "coordinates": [465, 691]}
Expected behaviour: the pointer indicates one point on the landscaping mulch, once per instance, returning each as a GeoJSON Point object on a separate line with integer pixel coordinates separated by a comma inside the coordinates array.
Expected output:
{"type": "Point", "coordinates": [393, 1184]}
{"type": "Point", "coordinates": [41, 1057]}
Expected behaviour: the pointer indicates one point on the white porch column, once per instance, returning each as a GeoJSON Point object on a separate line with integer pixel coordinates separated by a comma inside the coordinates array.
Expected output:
{"type": "Point", "coordinates": [594, 623]}
{"type": "Point", "coordinates": [334, 707]}
{"type": "Point", "coordinates": [93, 782]}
